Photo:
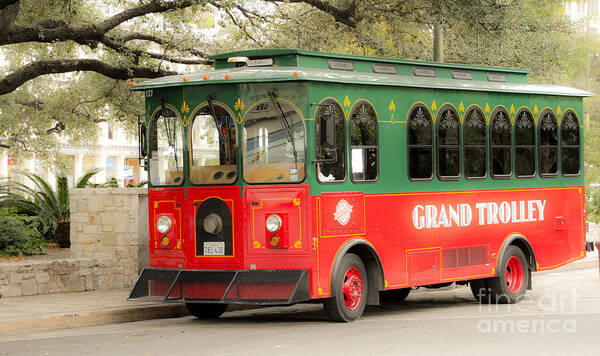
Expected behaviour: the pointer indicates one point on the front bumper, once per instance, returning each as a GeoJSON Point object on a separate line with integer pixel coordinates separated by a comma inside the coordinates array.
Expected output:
{"type": "Point", "coordinates": [264, 287]}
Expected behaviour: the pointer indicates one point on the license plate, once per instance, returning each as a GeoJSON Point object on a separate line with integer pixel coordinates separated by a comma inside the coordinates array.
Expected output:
{"type": "Point", "coordinates": [214, 248]}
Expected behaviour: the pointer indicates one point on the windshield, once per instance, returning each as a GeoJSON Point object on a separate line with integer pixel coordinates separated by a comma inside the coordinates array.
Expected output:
{"type": "Point", "coordinates": [166, 148]}
{"type": "Point", "coordinates": [273, 143]}
{"type": "Point", "coordinates": [214, 156]}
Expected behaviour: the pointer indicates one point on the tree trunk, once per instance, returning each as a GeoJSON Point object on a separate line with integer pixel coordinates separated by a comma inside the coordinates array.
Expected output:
{"type": "Point", "coordinates": [63, 234]}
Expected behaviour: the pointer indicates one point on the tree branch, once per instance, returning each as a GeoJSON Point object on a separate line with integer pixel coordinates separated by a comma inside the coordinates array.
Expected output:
{"type": "Point", "coordinates": [39, 68]}
{"type": "Point", "coordinates": [7, 3]}
{"type": "Point", "coordinates": [138, 53]}
{"type": "Point", "coordinates": [346, 16]}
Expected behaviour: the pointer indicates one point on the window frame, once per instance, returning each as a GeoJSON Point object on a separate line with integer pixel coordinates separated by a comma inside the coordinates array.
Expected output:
{"type": "Point", "coordinates": [485, 145]}
{"type": "Point", "coordinates": [535, 145]}
{"type": "Point", "coordinates": [350, 146]}
{"type": "Point", "coordinates": [243, 143]}
{"type": "Point", "coordinates": [409, 146]}
{"type": "Point", "coordinates": [458, 146]}
{"type": "Point", "coordinates": [492, 145]}
{"type": "Point", "coordinates": [539, 145]}
{"type": "Point", "coordinates": [191, 143]}
{"type": "Point", "coordinates": [153, 119]}
{"type": "Point", "coordinates": [570, 146]}
{"type": "Point", "coordinates": [345, 131]}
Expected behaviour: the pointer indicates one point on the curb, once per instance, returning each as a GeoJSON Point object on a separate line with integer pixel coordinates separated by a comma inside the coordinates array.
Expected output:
{"type": "Point", "coordinates": [100, 317]}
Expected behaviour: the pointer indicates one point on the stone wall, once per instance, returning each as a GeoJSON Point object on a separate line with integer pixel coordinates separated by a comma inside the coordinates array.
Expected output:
{"type": "Point", "coordinates": [111, 223]}
{"type": "Point", "coordinates": [60, 276]}
{"type": "Point", "coordinates": [109, 247]}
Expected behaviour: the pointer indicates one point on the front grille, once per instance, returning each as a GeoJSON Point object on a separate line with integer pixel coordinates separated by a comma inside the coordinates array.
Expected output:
{"type": "Point", "coordinates": [231, 287]}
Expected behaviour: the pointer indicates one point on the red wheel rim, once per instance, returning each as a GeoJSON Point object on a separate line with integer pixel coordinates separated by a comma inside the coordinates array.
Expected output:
{"type": "Point", "coordinates": [352, 288]}
{"type": "Point", "coordinates": [514, 274]}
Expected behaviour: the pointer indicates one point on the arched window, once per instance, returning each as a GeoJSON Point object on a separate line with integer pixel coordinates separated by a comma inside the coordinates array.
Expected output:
{"type": "Point", "coordinates": [213, 145]}
{"type": "Point", "coordinates": [420, 144]}
{"type": "Point", "coordinates": [475, 144]}
{"type": "Point", "coordinates": [330, 132]}
{"type": "Point", "coordinates": [501, 144]}
{"type": "Point", "coordinates": [448, 144]}
{"type": "Point", "coordinates": [364, 143]}
{"type": "Point", "coordinates": [165, 140]}
{"type": "Point", "coordinates": [569, 144]}
{"type": "Point", "coordinates": [524, 144]}
{"type": "Point", "coordinates": [273, 139]}
{"type": "Point", "coordinates": [548, 144]}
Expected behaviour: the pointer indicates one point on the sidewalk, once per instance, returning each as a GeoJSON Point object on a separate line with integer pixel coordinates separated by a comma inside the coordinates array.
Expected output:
{"type": "Point", "coordinates": [69, 310]}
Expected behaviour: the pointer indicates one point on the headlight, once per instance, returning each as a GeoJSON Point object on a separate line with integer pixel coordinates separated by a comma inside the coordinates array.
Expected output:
{"type": "Point", "coordinates": [163, 225]}
{"type": "Point", "coordinates": [273, 223]}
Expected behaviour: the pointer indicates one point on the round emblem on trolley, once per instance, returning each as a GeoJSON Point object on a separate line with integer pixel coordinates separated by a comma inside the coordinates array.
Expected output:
{"type": "Point", "coordinates": [343, 210]}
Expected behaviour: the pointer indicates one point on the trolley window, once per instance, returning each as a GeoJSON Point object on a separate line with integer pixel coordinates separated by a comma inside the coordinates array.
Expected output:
{"type": "Point", "coordinates": [448, 144]}
{"type": "Point", "coordinates": [548, 142]}
{"type": "Point", "coordinates": [475, 144]}
{"type": "Point", "coordinates": [165, 140]}
{"type": "Point", "coordinates": [330, 133]}
{"type": "Point", "coordinates": [213, 151]}
{"type": "Point", "coordinates": [569, 143]}
{"type": "Point", "coordinates": [274, 149]}
{"type": "Point", "coordinates": [420, 144]}
{"type": "Point", "coordinates": [524, 145]}
{"type": "Point", "coordinates": [364, 143]}
{"type": "Point", "coordinates": [501, 142]}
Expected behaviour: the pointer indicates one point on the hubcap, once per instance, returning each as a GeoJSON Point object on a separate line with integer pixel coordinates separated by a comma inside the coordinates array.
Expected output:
{"type": "Point", "coordinates": [514, 274]}
{"type": "Point", "coordinates": [352, 288]}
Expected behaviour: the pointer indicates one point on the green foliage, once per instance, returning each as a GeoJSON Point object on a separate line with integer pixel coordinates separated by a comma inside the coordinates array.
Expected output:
{"type": "Point", "coordinates": [17, 239]}
{"type": "Point", "coordinates": [38, 199]}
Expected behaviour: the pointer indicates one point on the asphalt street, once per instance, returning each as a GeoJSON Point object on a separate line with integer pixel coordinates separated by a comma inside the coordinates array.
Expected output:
{"type": "Point", "coordinates": [561, 316]}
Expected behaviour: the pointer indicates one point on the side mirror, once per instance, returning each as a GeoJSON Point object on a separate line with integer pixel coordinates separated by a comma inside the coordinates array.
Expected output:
{"type": "Point", "coordinates": [142, 142]}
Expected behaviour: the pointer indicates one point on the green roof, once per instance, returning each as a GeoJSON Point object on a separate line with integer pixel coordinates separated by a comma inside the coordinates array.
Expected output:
{"type": "Point", "coordinates": [280, 74]}
{"type": "Point", "coordinates": [268, 52]}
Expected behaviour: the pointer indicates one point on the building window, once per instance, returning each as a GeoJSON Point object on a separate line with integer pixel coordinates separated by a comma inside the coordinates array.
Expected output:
{"type": "Point", "coordinates": [110, 168]}
{"type": "Point", "coordinates": [420, 144]}
{"type": "Point", "coordinates": [448, 144]}
{"type": "Point", "coordinates": [570, 144]}
{"type": "Point", "coordinates": [330, 132]}
{"type": "Point", "coordinates": [501, 144]}
{"type": "Point", "coordinates": [548, 144]}
{"type": "Point", "coordinates": [364, 143]}
{"type": "Point", "coordinates": [475, 144]}
{"type": "Point", "coordinates": [524, 144]}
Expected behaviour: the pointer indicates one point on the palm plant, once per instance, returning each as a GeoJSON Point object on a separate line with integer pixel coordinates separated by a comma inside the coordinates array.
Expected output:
{"type": "Point", "coordinates": [41, 200]}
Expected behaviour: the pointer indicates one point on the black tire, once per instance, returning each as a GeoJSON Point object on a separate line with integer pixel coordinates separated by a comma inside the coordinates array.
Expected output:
{"type": "Point", "coordinates": [206, 311]}
{"type": "Point", "coordinates": [335, 306]}
{"type": "Point", "coordinates": [496, 290]}
{"type": "Point", "coordinates": [394, 295]}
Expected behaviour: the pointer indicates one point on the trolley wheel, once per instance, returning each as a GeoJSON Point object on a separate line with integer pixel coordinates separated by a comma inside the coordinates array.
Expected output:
{"type": "Point", "coordinates": [349, 290]}
{"type": "Point", "coordinates": [510, 285]}
{"type": "Point", "coordinates": [206, 311]}
{"type": "Point", "coordinates": [395, 295]}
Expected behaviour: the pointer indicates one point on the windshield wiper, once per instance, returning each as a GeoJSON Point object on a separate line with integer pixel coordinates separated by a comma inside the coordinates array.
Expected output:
{"type": "Point", "coordinates": [221, 123]}
{"type": "Point", "coordinates": [289, 134]}
{"type": "Point", "coordinates": [170, 129]}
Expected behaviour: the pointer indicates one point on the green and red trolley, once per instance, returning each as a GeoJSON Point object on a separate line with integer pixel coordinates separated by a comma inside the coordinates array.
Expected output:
{"type": "Point", "coordinates": [284, 176]}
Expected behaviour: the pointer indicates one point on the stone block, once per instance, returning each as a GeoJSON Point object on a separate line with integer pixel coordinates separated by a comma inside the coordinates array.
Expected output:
{"type": "Point", "coordinates": [79, 217]}
{"type": "Point", "coordinates": [16, 277]}
{"type": "Point", "coordinates": [95, 204]}
{"type": "Point", "coordinates": [42, 288]}
{"type": "Point", "coordinates": [12, 290]}
{"type": "Point", "coordinates": [29, 287]}
{"type": "Point", "coordinates": [107, 228]}
{"type": "Point", "coordinates": [92, 229]}
{"type": "Point", "coordinates": [42, 276]}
